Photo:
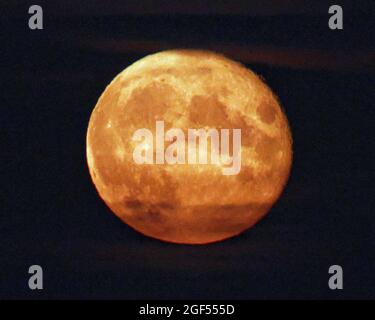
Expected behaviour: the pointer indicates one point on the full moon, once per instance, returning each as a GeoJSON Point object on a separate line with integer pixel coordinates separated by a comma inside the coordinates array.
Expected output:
{"type": "Point", "coordinates": [184, 202]}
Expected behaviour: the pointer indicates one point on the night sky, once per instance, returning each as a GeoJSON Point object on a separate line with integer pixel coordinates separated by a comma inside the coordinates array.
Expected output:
{"type": "Point", "coordinates": [51, 214]}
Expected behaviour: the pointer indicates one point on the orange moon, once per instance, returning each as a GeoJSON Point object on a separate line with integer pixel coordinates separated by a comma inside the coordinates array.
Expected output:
{"type": "Point", "coordinates": [189, 203]}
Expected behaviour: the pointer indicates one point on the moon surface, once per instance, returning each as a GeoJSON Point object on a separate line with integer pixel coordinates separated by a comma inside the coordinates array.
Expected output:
{"type": "Point", "coordinates": [189, 203]}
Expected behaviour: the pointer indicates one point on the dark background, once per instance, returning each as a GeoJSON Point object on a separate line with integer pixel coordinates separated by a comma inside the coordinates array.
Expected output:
{"type": "Point", "coordinates": [51, 214]}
